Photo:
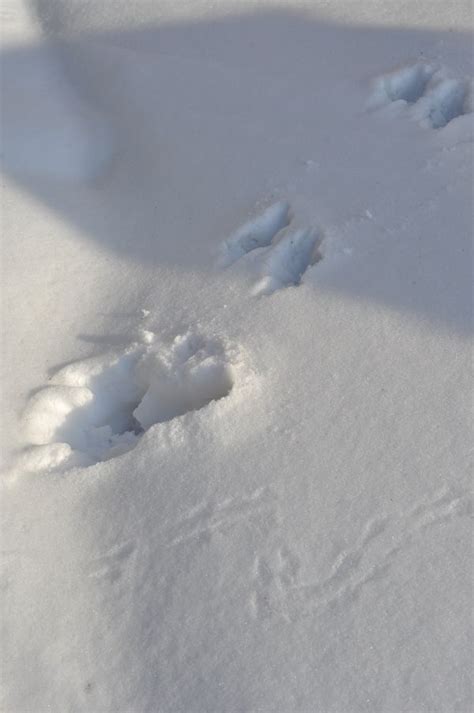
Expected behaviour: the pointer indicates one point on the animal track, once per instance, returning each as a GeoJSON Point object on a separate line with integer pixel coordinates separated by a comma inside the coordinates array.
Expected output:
{"type": "Point", "coordinates": [288, 260]}
{"type": "Point", "coordinates": [446, 100]}
{"type": "Point", "coordinates": [407, 84]}
{"type": "Point", "coordinates": [287, 256]}
{"type": "Point", "coordinates": [256, 233]}
{"type": "Point", "coordinates": [208, 518]}
{"type": "Point", "coordinates": [433, 98]}
{"type": "Point", "coordinates": [278, 589]}
{"type": "Point", "coordinates": [98, 408]}
{"type": "Point", "coordinates": [110, 565]}
{"type": "Point", "coordinates": [273, 578]}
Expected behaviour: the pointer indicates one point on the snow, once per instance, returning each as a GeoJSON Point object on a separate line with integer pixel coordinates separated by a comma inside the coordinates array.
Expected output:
{"type": "Point", "coordinates": [69, 140]}
{"type": "Point", "coordinates": [237, 397]}
{"type": "Point", "coordinates": [288, 261]}
{"type": "Point", "coordinates": [437, 99]}
{"type": "Point", "coordinates": [256, 233]}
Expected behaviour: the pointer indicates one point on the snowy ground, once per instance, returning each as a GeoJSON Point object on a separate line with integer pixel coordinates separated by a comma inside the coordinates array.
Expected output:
{"type": "Point", "coordinates": [236, 366]}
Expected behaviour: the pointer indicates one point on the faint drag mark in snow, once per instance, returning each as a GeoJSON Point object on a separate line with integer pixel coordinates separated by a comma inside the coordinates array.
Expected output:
{"type": "Point", "coordinates": [445, 506]}
{"type": "Point", "coordinates": [348, 561]}
{"type": "Point", "coordinates": [208, 518]}
{"type": "Point", "coordinates": [279, 591]}
{"type": "Point", "coordinates": [362, 564]}
{"type": "Point", "coordinates": [286, 254]}
{"type": "Point", "coordinates": [110, 565]}
{"type": "Point", "coordinates": [98, 408]}
{"type": "Point", "coordinates": [433, 98]}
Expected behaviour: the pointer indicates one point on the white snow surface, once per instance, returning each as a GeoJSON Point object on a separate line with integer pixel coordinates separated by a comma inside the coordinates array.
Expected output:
{"type": "Point", "coordinates": [236, 375]}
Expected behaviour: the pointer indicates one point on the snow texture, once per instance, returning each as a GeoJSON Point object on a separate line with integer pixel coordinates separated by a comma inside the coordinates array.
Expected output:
{"type": "Point", "coordinates": [236, 365]}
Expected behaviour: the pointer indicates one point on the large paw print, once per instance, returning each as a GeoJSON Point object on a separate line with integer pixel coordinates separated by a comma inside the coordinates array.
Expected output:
{"type": "Point", "coordinates": [98, 408]}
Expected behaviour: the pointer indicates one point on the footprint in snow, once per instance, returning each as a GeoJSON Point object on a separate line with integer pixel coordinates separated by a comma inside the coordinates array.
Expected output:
{"type": "Point", "coordinates": [285, 253]}
{"type": "Point", "coordinates": [431, 96]}
{"type": "Point", "coordinates": [97, 408]}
